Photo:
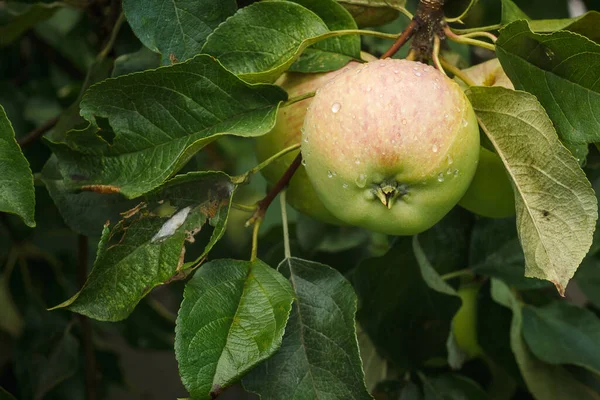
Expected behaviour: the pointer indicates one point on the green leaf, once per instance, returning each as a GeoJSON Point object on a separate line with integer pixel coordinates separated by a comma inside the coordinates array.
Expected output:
{"type": "Point", "coordinates": [452, 387]}
{"type": "Point", "coordinates": [24, 17]}
{"type": "Point", "coordinates": [141, 60]}
{"type": "Point", "coordinates": [17, 195]}
{"type": "Point", "coordinates": [232, 317]}
{"type": "Point", "coordinates": [586, 25]}
{"type": "Point", "coordinates": [555, 204]}
{"type": "Point", "coordinates": [374, 366]}
{"type": "Point", "coordinates": [319, 355]}
{"type": "Point", "coordinates": [147, 248]}
{"type": "Point", "coordinates": [262, 41]}
{"type": "Point", "coordinates": [61, 364]}
{"type": "Point", "coordinates": [176, 27]}
{"type": "Point", "coordinates": [11, 320]}
{"type": "Point", "coordinates": [562, 70]}
{"type": "Point", "coordinates": [588, 279]}
{"type": "Point", "coordinates": [84, 212]}
{"type": "Point", "coordinates": [369, 13]}
{"type": "Point", "coordinates": [511, 12]}
{"type": "Point", "coordinates": [408, 321]}
{"type": "Point", "coordinates": [333, 53]}
{"type": "Point", "coordinates": [496, 252]}
{"type": "Point", "coordinates": [160, 118]}
{"type": "Point", "coordinates": [544, 381]}
{"type": "Point", "coordinates": [561, 333]}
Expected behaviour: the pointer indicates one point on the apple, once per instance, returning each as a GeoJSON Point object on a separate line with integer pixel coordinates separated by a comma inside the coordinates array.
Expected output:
{"type": "Point", "coordinates": [491, 193]}
{"type": "Point", "coordinates": [287, 132]}
{"type": "Point", "coordinates": [390, 146]}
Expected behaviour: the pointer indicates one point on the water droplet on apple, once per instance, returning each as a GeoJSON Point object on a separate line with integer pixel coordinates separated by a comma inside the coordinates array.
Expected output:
{"type": "Point", "coordinates": [395, 71]}
{"type": "Point", "coordinates": [449, 171]}
{"type": "Point", "coordinates": [304, 162]}
{"type": "Point", "coordinates": [361, 181]}
{"type": "Point", "coordinates": [368, 89]}
{"type": "Point", "coordinates": [345, 186]}
{"type": "Point", "coordinates": [450, 160]}
{"type": "Point", "coordinates": [357, 161]}
{"type": "Point", "coordinates": [441, 177]}
{"type": "Point", "coordinates": [435, 148]}
{"type": "Point", "coordinates": [455, 172]}
{"type": "Point", "coordinates": [335, 107]}
{"type": "Point", "coordinates": [329, 174]}
{"type": "Point", "coordinates": [404, 122]}
{"type": "Point", "coordinates": [306, 139]}
{"type": "Point", "coordinates": [465, 122]}
{"type": "Point", "coordinates": [417, 74]}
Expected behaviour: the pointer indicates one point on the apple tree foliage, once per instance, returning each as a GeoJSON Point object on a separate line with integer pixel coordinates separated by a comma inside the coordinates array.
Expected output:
{"type": "Point", "coordinates": [127, 175]}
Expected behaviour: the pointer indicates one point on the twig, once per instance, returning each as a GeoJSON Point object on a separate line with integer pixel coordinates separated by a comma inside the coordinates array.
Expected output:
{"type": "Point", "coordinates": [297, 99]}
{"type": "Point", "coordinates": [402, 39]}
{"type": "Point", "coordinates": [38, 132]}
{"type": "Point", "coordinates": [274, 157]}
{"type": "Point", "coordinates": [466, 40]}
{"type": "Point", "coordinates": [458, 274]}
{"type": "Point", "coordinates": [457, 72]}
{"type": "Point", "coordinates": [86, 327]}
{"type": "Point", "coordinates": [264, 204]}
{"type": "Point", "coordinates": [436, 54]}
{"type": "Point", "coordinates": [284, 222]}
{"type": "Point", "coordinates": [254, 253]}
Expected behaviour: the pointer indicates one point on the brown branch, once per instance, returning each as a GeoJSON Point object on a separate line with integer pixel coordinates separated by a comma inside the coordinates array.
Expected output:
{"type": "Point", "coordinates": [86, 326]}
{"type": "Point", "coordinates": [264, 204]}
{"type": "Point", "coordinates": [37, 132]}
{"type": "Point", "coordinates": [402, 39]}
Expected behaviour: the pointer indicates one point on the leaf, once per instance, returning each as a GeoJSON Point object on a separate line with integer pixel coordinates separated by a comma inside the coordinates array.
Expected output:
{"type": "Point", "coordinates": [262, 41]}
{"type": "Point", "coordinates": [147, 248]}
{"type": "Point", "coordinates": [496, 252]}
{"type": "Point", "coordinates": [588, 280]}
{"type": "Point", "coordinates": [561, 333]}
{"type": "Point", "coordinates": [17, 195]}
{"type": "Point", "coordinates": [333, 53]}
{"type": "Point", "coordinates": [408, 321]}
{"type": "Point", "coordinates": [452, 387]}
{"type": "Point", "coordinates": [544, 381]}
{"type": "Point", "coordinates": [24, 18]}
{"type": "Point", "coordinates": [319, 355]}
{"type": "Point", "coordinates": [176, 27]}
{"type": "Point", "coordinates": [62, 363]}
{"type": "Point", "coordinates": [11, 320]}
{"type": "Point", "coordinates": [374, 366]}
{"type": "Point", "coordinates": [562, 70]}
{"type": "Point", "coordinates": [160, 118]}
{"type": "Point", "coordinates": [232, 317]}
{"type": "Point", "coordinates": [84, 212]}
{"type": "Point", "coordinates": [511, 12]}
{"type": "Point", "coordinates": [141, 60]}
{"type": "Point", "coordinates": [555, 204]}
{"type": "Point", "coordinates": [586, 25]}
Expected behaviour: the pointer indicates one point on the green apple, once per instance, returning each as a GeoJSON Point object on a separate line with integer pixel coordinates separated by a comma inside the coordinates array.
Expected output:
{"type": "Point", "coordinates": [390, 146]}
{"type": "Point", "coordinates": [491, 193]}
{"type": "Point", "coordinates": [287, 132]}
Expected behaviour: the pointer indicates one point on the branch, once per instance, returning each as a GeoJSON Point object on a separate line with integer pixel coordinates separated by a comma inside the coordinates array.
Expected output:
{"type": "Point", "coordinates": [35, 134]}
{"type": "Point", "coordinates": [264, 204]}
{"type": "Point", "coordinates": [402, 39]}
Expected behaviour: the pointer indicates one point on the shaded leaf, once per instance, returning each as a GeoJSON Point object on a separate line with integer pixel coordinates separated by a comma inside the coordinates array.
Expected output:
{"type": "Point", "coordinates": [147, 248]}
{"type": "Point", "coordinates": [561, 333]}
{"type": "Point", "coordinates": [562, 70]}
{"type": "Point", "coordinates": [452, 387]}
{"type": "Point", "coordinates": [511, 12]}
{"type": "Point", "coordinates": [555, 204]}
{"type": "Point", "coordinates": [176, 27]}
{"type": "Point", "coordinates": [544, 381]}
{"type": "Point", "coordinates": [333, 53]}
{"type": "Point", "coordinates": [11, 320]}
{"type": "Point", "coordinates": [232, 317]}
{"type": "Point", "coordinates": [586, 25]}
{"type": "Point", "coordinates": [319, 356]}
{"type": "Point", "coordinates": [588, 279]}
{"type": "Point", "coordinates": [496, 252]}
{"type": "Point", "coordinates": [24, 17]}
{"type": "Point", "coordinates": [408, 321]}
{"type": "Point", "coordinates": [141, 60]}
{"type": "Point", "coordinates": [4, 395]}
{"type": "Point", "coordinates": [159, 119]}
{"type": "Point", "coordinates": [262, 41]}
{"type": "Point", "coordinates": [62, 363]}
{"type": "Point", "coordinates": [17, 195]}
{"type": "Point", "coordinates": [374, 366]}
{"type": "Point", "coordinates": [84, 212]}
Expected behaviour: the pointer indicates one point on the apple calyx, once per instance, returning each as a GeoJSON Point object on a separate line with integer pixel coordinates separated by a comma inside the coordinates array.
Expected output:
{"type": "Point", "coordinates": [388, 192]}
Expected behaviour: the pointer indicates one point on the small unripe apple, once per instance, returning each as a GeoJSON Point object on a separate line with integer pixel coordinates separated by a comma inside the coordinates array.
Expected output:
{"type": "Point", "coordinates": [491, 193]}
{"type": "Point", "coordinates": [390, 146]}
{"type": "Point", "coordinates": [287, 132]}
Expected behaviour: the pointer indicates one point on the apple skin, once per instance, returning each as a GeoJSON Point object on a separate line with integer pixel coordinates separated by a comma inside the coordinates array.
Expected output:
{"type": "Point", "coordinates": [391, 146]}
{"type": "Point", "coordinates": [287, 132]}
{"type": "Point", "coordinates": [491, 193]}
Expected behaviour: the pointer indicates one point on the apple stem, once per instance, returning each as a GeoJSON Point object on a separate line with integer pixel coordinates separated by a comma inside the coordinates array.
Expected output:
{"type": "Point", "coordinates": [457, 72]}
{"type": "Point", "coordinates": [402, 39]}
